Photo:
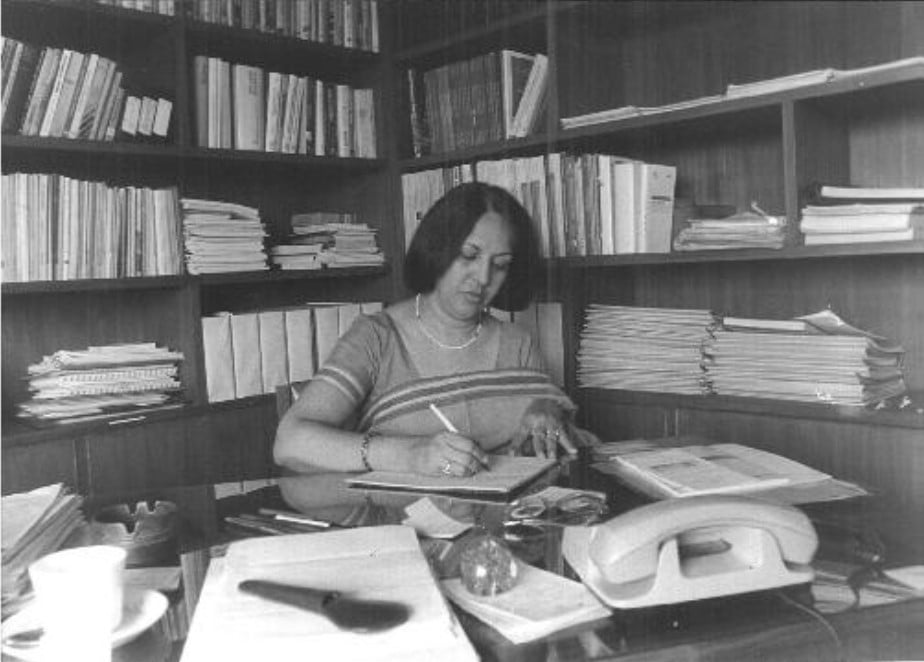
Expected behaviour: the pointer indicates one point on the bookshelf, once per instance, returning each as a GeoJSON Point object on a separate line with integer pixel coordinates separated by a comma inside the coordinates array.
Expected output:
{"type": "Point", "coordinates": [198, 442]}
{"type": "Point", "coordinates": [769, 148]}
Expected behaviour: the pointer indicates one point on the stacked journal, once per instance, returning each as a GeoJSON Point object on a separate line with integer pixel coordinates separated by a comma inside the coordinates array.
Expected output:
{"type": "Point", "coordinates": [332, 239]}
{"type": "Point", "coordinates": [643, 349]}
{"type": "Point", "coordinates": [815, 358]}
{"type": "Point", "coordinates": [222, 237]}
{"type": "Point", "coordinates": [76, 384]}
{"type": "Point", "coordinates": [35, 523]}
{"type": "Point", "coordinates": [850, 215]}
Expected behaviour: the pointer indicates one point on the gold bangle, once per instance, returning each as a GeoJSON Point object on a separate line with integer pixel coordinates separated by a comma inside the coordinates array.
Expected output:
{"type": "Point", "coordinates": [364, 448]}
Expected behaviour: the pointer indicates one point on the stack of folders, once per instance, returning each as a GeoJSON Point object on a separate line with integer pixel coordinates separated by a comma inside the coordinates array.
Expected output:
{"type": "Point", "coordinates": [222, 237]}
{"type": "Point", "coordinates": [34, 524]}
{"type": "Point", "coordinates": [539, 604]}
{"type": "Point", "coordinates": [332, 239]}
{"type": "Point", "coordinates": [749, 229]}
{"type": "Point", "coordinates": [643, 349]}
{"type": "Point", "coordinates": [815, 358]}
{"type": "Point", "coordinates": [849, 215]}
{"type": "Point", "coordinates": [73, 385]}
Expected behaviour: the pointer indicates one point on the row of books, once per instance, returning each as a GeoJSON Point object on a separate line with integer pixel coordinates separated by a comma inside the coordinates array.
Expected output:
{"type": "Point", "coordinates": [222, 237]}
{"type": "Point", "coordinates": [251, 353]}
{"type": "Point", "coordinates": [327, 239]}
{"type": "Point", "coordinates": [813, 358]}
{"type": "Point", "coordinates": [487, 98]}
{"type": "Point", "coordinates": [76, 384]}
{"type": "Point", "coordinates": [59, 228]}
{"type": "Point", "coordinates": [63, 93]}
{"type": "Point", "coordinates": [581, 204]}
{"type": "Point", "coordinates": [849, 214]}
{"type": "Point", "coordinates": [165, 7]}
{"type": "Point", "coordinates": [347, 23]}
{"type": "Point", "coordinates": [244, 107]}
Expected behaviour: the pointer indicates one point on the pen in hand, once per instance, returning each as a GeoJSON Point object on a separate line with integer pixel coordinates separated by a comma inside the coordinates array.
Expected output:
{"type": "Point", "coordinates": [452, 428]}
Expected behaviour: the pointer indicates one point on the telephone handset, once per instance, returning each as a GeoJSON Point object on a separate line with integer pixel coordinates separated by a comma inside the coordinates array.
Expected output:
{"type": "Point", "coordinates": [693, 548]}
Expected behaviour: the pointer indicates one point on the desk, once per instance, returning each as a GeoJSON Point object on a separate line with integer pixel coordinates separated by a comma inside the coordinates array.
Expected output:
{"type": "Point", "coordinates": [764, 626]}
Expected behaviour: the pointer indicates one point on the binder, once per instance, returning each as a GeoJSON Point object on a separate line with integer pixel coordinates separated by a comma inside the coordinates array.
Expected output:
{"type": "Point", "coordinates": [219, 358]}
{"type": "Point", "coordinates": [245, 343]}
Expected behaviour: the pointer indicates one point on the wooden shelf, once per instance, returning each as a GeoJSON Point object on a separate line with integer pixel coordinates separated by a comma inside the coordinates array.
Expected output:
{"type": "Point", "coordinates": [89, 148]}
{"type": "Point", "coordinates": [93, 285]}
{"type": "Point", "coordinates": [733, 404]}
{"type": "Point", "coordinates": [256, 277]}
{"type": "Point", "coordinates": [793, 253]}
{"type": "Point", "coordinates": [237, 157]}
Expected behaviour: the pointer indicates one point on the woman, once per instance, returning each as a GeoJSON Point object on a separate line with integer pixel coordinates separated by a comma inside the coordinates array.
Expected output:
{"type": "Point", "coordinates": [369, 407]}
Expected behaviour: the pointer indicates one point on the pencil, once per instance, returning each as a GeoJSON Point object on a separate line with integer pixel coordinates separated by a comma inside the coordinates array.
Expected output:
{"type": "Point", "coordinates": [450, 427]}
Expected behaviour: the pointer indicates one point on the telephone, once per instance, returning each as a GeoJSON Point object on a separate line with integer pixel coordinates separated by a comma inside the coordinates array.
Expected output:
{"type": "Point", "coordinates": [692, 548]}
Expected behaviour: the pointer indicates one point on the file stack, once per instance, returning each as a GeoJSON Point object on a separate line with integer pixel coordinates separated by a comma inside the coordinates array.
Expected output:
{"type": "Point", "coordinates": [815, 358]}
{"type": "Point", "coordinates": [748, 229]}
{"type": "Point", "coordinates": [354, 245]}
{"type": "Point", "coordinates": [332, 239]}
{"type": "Point", "coordinates": [34, 523]}
{"type": "Point", "coordinates": [643, 349]}
{"type": "Point", "coordinates": [75, 384]}
{"type": "Point", "coordinates": [863, 222]}
{"type": "Point", "coordinates": [222, 237]}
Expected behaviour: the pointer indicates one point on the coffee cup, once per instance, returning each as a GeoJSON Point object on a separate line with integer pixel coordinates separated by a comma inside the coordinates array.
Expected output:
{"type": "Point", "coordinates": [79, 595]}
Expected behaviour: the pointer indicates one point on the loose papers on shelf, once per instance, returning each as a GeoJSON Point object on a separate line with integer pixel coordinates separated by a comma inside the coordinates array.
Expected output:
{"type": "Point", "coordinates": [222, 237]}
{"type": "Point", "coordinates": [666, 471]}
{"type": "Point", "coordinates": [377, 563]}
{"type": "Point", "coordinates": [539, 604]}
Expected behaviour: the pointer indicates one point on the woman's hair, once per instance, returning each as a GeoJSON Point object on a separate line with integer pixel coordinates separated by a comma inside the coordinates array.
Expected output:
{"type": "Point", "coordinates": [445, 227]}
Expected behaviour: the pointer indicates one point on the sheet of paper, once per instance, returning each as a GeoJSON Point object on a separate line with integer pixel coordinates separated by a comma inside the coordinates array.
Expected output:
{"type": "Point", "coordinates": [379, 563]}
{"type": "Point", "coordinates": [430, 521]}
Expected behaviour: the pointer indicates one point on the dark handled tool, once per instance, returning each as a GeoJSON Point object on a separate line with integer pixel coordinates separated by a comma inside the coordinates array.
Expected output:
{"type": "Point", "coordinates": [345, 612]}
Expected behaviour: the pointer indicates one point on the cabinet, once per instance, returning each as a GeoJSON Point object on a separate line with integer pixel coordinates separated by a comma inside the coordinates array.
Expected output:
{"type": "Point", "coordinates": [200, 442]}
{"type": "Point", "coordinates": [766, 149]}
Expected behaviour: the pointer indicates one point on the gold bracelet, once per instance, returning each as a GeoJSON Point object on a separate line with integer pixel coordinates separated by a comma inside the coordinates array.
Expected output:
{"type": "Point", "coordinates": [364, 448]}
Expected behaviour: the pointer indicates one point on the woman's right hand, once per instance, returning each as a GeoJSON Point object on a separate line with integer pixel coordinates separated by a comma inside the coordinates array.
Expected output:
{"type": "Point", "coordinates": [447, 454]}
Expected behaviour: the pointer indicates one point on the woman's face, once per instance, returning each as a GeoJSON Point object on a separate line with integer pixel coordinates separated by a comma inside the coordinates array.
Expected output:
{"type": "Point", "coordinates": [480, 269]}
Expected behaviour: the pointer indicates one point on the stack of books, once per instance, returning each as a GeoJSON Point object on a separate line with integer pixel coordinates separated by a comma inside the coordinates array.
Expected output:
{"type": "Point", "coordinates": [222, 237]}
{"type": "Point", "coordinates": [850, 215]}
{"type": "Point", "coordinates": [749, 229]}
{"type": "Point", "coordinates": [75, 385]}
{"type": "Point", "coordinates": [643, 349]}
{"type": "Point", "coordinates": [329, 239]}
{"type": "Point", "coordinates": [815, 358]}
{"type": "Point", "coordinates": [34, 523]}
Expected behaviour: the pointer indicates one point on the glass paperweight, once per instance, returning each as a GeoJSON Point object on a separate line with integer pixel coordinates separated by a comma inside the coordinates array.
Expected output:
{"type": "Point", "coordinates": [487, 565]}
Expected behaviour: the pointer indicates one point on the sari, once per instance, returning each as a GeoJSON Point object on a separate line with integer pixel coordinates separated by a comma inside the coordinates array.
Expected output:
{"type": "Point", "coordinates": [375, 369]}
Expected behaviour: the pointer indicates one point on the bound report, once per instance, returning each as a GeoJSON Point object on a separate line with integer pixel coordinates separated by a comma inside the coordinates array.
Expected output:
{"type": "Point", "coordinates": [504, 476]}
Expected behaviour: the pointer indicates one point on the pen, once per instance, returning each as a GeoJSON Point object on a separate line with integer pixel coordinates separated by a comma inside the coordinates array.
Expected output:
{"type": "Point", "coordinates": [285, 516]}
{"type": "Point", "coordinates": [450, 427]}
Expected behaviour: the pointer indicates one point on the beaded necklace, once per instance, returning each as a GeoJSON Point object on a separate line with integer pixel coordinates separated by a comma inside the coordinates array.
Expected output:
{"type": "Point", "coordinates": [437, 341]}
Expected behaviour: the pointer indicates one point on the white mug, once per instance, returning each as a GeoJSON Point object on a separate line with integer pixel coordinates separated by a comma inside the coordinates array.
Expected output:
{"type": "Point", "coordinates": [79, 595]}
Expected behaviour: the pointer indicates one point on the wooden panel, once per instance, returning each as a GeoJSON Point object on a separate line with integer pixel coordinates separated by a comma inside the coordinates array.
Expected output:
{"type": "Point", "coordinates": [886, 461]}
{"type": "Point", "coordinates": [29, 466]}
{"type": "Point", "coordinates": [617, 422]}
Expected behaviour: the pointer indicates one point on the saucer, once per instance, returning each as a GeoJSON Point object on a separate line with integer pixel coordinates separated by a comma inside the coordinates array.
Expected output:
{"type": "Point", "coordinates": [141, 610]}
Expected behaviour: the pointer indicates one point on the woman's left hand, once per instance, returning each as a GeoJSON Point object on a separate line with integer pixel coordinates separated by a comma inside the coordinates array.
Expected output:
{"type": "Point", "coordinates": [543, 428]}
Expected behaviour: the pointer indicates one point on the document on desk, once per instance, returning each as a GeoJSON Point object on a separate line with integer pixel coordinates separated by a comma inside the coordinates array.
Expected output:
{"type": "Point", "coordinates": [504, 475]}
{"type": "Point", "coordinates": [375, 563]}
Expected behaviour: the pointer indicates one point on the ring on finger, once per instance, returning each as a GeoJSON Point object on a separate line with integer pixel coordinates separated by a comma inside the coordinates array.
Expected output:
{"type": "Point", "coordinates": [447, 468]}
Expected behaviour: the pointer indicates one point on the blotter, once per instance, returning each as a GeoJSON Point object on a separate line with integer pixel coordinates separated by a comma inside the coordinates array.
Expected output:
{"type": "Point", "coordinates": [377, 563]}
{"type": "Point", "coordinates": [505, 474]}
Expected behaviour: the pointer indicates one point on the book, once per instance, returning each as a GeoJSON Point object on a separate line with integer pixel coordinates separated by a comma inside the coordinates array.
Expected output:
{"type": "Point", "coordinates": [655, 207]}
{"type": "Point", "coordinates": [40, 91]}
{"type": "Point", "coordinates": [273, 355]}
{"type": "Point", "coordinates": [82, 96]}
{"type": "Point", "coordinates": [862, 237]}
{"type": "Point", "coordinates": [299, 343]}
{"type": "Point", "coordinates": [245, 345]}
{"type": "Point", "coordinates": [515, 70]}
{"type": "Point", "coordinates": [24, 68]}
{"type": "Point", "coordinates": [146, 116]}
{"type": "Point", "coordinates": [540, 603]}
{"type": "Point", "coordinates": [162, 118]}
{"type": "Point", "coordinates": [375, 562]}
{"type": "Point", "coordinates": [501, 479]}
{"type": "Point", "coordinates": [871, 192]}
{"type": "Point", "coordinates": [531, 102]}
{"type": "Point", "coordinates": [248, 107]}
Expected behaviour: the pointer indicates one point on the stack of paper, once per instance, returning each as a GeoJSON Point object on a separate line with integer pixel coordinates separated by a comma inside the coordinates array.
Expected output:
{"type": "Point", "coordinates": [333, 239]}
{"type": "Point", "coordinates": [743, 230]}
{"type": "Point", "coordinates": [829, 361]}
{"type": "Point", "coordinates": [354, 245]}
{"type": "Point", "coordinates": [539, 604]}
{"type": "Point", "coordinates": [34, 524]}
{"type": "Point", "coordinates": [376, 563]}
{"type": "Point", "coordinates": [863, 222]}
{"type": "Point", "coordinates": [222, 237]}
{"type": "Point", "coordinates": [643, 349]}
{"type": "Point", "coordinates": [77, 383]}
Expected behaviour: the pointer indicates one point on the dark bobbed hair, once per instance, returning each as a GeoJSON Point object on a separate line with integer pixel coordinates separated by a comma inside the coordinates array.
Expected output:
{"type": "Point", "coordinates": [445, 227]}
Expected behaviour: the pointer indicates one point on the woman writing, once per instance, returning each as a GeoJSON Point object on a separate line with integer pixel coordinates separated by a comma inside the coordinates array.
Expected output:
{"type": "Point", "coordinates": [369, 407]}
